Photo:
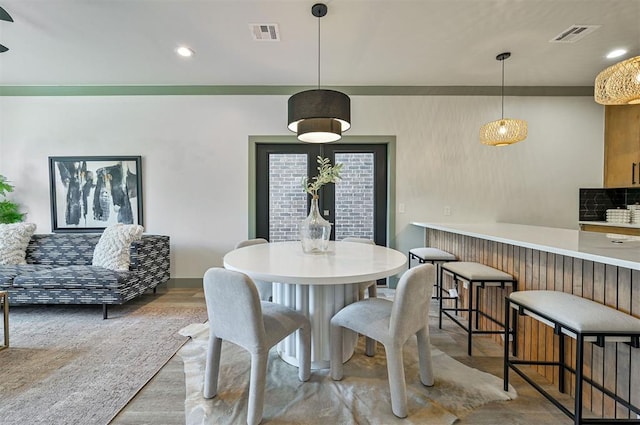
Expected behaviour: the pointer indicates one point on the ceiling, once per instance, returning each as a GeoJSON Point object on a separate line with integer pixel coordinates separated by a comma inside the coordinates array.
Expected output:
{"type": "Point", "coordinates": [363, 42]}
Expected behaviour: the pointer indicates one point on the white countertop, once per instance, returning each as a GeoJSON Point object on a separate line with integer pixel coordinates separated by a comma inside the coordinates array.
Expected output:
{"type": "Point", "coordinates": [607, 248]}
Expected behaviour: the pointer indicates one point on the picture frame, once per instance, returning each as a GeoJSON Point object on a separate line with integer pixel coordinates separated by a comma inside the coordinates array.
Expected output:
{"type": "Point", "coordinates": [90, 193]}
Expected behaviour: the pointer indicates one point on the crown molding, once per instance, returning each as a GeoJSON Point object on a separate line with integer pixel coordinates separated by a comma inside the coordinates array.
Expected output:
{"type": "Point", "coordinates": [206, 90]}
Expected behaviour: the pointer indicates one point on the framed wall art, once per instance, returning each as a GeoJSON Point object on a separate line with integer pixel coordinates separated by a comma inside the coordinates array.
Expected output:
{"type": "Point", "coordinates": [89, 193]}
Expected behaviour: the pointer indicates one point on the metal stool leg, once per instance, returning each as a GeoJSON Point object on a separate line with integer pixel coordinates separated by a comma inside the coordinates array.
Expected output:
{"type": "Point", "coordinates": [514, 333]}
{"type": "Point", "coordinates": [470, 313]}
{"type": "Point", "coordinates": [577, 416]}
{"type": "Point", "coordinates": [477, 309]}
{"type": "Point", "coordinates": [440, 303]}
{"type": "Point", "coordinates": [437, 284]}
{"type": "Point", "coordinates": [505, 373]}
{"type": "Point", "coordinates": [5, 312]}
{"type": "Point", "coordinates": [561, 361]}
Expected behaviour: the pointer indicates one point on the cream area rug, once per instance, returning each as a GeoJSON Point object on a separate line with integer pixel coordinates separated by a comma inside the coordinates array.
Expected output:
{"type": "Point", "coordinates": [65, 365]}
{"type": "Point", "coordinates": [361, 397]}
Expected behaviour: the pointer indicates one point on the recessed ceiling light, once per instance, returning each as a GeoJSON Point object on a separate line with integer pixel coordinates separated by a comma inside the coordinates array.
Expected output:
{"type": "Point", "coordinates": [616, 53]}
{"type": "Point", "coordinates": [185, 51]}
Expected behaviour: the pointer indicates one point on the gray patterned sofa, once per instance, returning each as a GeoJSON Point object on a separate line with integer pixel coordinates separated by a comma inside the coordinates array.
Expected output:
{"type": "Point", "coordinates": [59, 271]}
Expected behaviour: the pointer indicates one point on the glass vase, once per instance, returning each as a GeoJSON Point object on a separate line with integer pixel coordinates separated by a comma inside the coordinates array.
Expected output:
{"type": "Point", "coordinates": [315, 231]}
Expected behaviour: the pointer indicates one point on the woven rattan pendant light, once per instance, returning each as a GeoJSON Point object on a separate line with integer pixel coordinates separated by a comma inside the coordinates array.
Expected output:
{"type": "Point", "coordinates": [505, 131]}
{"type": "Point", "coordinates": [319, 116]}
{"type": "Point", "coordinates": [619, 84]}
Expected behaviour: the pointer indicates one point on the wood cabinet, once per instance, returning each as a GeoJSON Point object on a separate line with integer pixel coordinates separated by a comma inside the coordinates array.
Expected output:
{"type": "Point", "coordinates": [634, 231]}
{"type": "Point", "coordinates": [622, 146]}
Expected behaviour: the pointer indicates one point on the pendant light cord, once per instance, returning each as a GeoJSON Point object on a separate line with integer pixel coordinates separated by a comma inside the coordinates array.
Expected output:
{"type": "Point", "coordinates": [319, 52]}
{"type": "Point", "coordinates": [502, 90]}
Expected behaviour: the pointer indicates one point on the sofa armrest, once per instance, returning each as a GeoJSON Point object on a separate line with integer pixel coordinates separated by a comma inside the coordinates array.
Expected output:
{"type": "Point", "coordinates": [150, 259]}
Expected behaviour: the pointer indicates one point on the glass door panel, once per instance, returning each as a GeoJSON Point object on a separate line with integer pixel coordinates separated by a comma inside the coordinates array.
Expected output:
{"type": "Point", "coordinates": [287, 201]}
{"type": "Point", "coordinates": [354, 196]}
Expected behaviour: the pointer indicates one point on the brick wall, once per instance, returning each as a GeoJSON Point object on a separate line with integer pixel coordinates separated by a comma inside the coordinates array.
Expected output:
{"type": "Point", "coordinates": [287, 200]}
{"type": "Point", "coordinates": [354, 196]}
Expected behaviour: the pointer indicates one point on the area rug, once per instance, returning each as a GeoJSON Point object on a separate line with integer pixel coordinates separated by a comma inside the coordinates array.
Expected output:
{"type": "Point", "coordinates": [361, 397]}
{"type": "Point", "coordinates": [65, 365]}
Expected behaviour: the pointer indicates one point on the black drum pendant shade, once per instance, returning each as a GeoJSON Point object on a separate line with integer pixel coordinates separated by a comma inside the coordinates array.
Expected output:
{"type": "Point", "coordinates": [319, 116]}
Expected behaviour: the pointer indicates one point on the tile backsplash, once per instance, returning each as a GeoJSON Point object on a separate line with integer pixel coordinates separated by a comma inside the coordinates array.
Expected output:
{"type": "Point", "coordinates": [595, 202]}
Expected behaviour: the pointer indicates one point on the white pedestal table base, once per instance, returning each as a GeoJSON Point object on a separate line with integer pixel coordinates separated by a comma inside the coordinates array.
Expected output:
{"type": "Point", "coordinates": [319, 303]}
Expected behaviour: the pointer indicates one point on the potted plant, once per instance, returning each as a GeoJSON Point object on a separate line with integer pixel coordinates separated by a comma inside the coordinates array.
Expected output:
{"type": "Point", "coordinates": [9, 211]}
{"type": "Point", "coordinates": [315, 231]}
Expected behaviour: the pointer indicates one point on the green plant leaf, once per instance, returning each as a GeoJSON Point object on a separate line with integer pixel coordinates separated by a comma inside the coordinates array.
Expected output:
{"type": "Point", "coordinates": [5, 186]}
{"type": "Point", "coordinates": [9, 211]}
{"type": "Point", "coordinates": [326, 174]}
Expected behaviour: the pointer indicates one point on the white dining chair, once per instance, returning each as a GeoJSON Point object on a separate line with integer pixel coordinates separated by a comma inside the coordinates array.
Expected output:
{"type": "Point", "coordinates": [371, 286]}
{"type": "Point", "coordinates": [392, 324]}
{"type": "Point", "coordinates": [237, 315]}
{"type": "Point", "coordinates": [265, 289]}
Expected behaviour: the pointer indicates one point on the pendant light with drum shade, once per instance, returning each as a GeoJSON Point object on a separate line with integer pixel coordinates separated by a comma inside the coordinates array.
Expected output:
{"type": "Point", "coordinates": [319, 116]}
{"type": "Point", "coordinates": [505, 131]}
{"type": "Point", "coordinates": [619, 84]}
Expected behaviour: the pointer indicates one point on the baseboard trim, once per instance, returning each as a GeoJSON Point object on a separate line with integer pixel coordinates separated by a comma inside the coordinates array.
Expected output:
{"type": "Point", "coordinates": [185, 282]}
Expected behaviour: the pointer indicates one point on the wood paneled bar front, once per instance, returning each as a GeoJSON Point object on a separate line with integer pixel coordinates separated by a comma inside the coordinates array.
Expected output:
{"type": "Point", "coordinates": [598, 266]}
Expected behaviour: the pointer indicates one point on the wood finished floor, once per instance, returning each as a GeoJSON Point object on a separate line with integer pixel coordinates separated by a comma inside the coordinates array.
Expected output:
{"type": "Point", "coordinates": [161, 401]}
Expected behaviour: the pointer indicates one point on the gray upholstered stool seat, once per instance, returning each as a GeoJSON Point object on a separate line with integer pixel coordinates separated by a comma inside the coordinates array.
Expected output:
{"type": "Point", "coordinates": [475, 276]}
{"type": "Point", "coordinates": [576, 313]}
{"type": "Point", "coordinates": [430, 255]}
{"type": "Point", "coordinates": [585, 321]}
{"type": "Point", "coordinates": [478, 273]}
{"type": "Point", "coordinates": [434, 256]}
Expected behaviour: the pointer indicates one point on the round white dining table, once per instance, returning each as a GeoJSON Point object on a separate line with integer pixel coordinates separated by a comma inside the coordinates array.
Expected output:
{"type": "Point", "coordinates": [318, 285]}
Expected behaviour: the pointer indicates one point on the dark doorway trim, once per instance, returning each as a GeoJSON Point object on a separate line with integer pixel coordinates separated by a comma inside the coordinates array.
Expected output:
{"type": "Point", "coordinates": [390, 141]}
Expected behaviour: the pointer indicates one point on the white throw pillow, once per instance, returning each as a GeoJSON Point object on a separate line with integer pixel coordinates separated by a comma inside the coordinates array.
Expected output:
{"type": "Point", "coordinates": [112, 250]}
{"type": "Point", "coordinates": [14, 239]}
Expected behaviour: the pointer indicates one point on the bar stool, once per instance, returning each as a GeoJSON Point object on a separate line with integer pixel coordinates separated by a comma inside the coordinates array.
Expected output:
{"type": "Point", "coordinates": [436, 257]}
{"type": "Point", "coordinates": [476, 275]}
{"type": "Point", "coordinates": [585, 321]}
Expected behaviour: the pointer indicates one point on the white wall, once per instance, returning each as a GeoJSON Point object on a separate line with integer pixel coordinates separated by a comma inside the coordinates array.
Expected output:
{"type": "Point", "coordinates": [195, 157]}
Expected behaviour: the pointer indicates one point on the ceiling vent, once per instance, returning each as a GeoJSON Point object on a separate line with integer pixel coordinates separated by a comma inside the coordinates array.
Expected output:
{"type": "Point", "coordinates": [265, 32]}
{"type": "Point", "coordinates": [574, 33]}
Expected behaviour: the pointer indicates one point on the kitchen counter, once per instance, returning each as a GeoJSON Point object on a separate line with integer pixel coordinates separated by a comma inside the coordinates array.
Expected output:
{"type": "Point", "coordinates": [613, 249]}
{"type": "Point", "coordinates": [603, 267]}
